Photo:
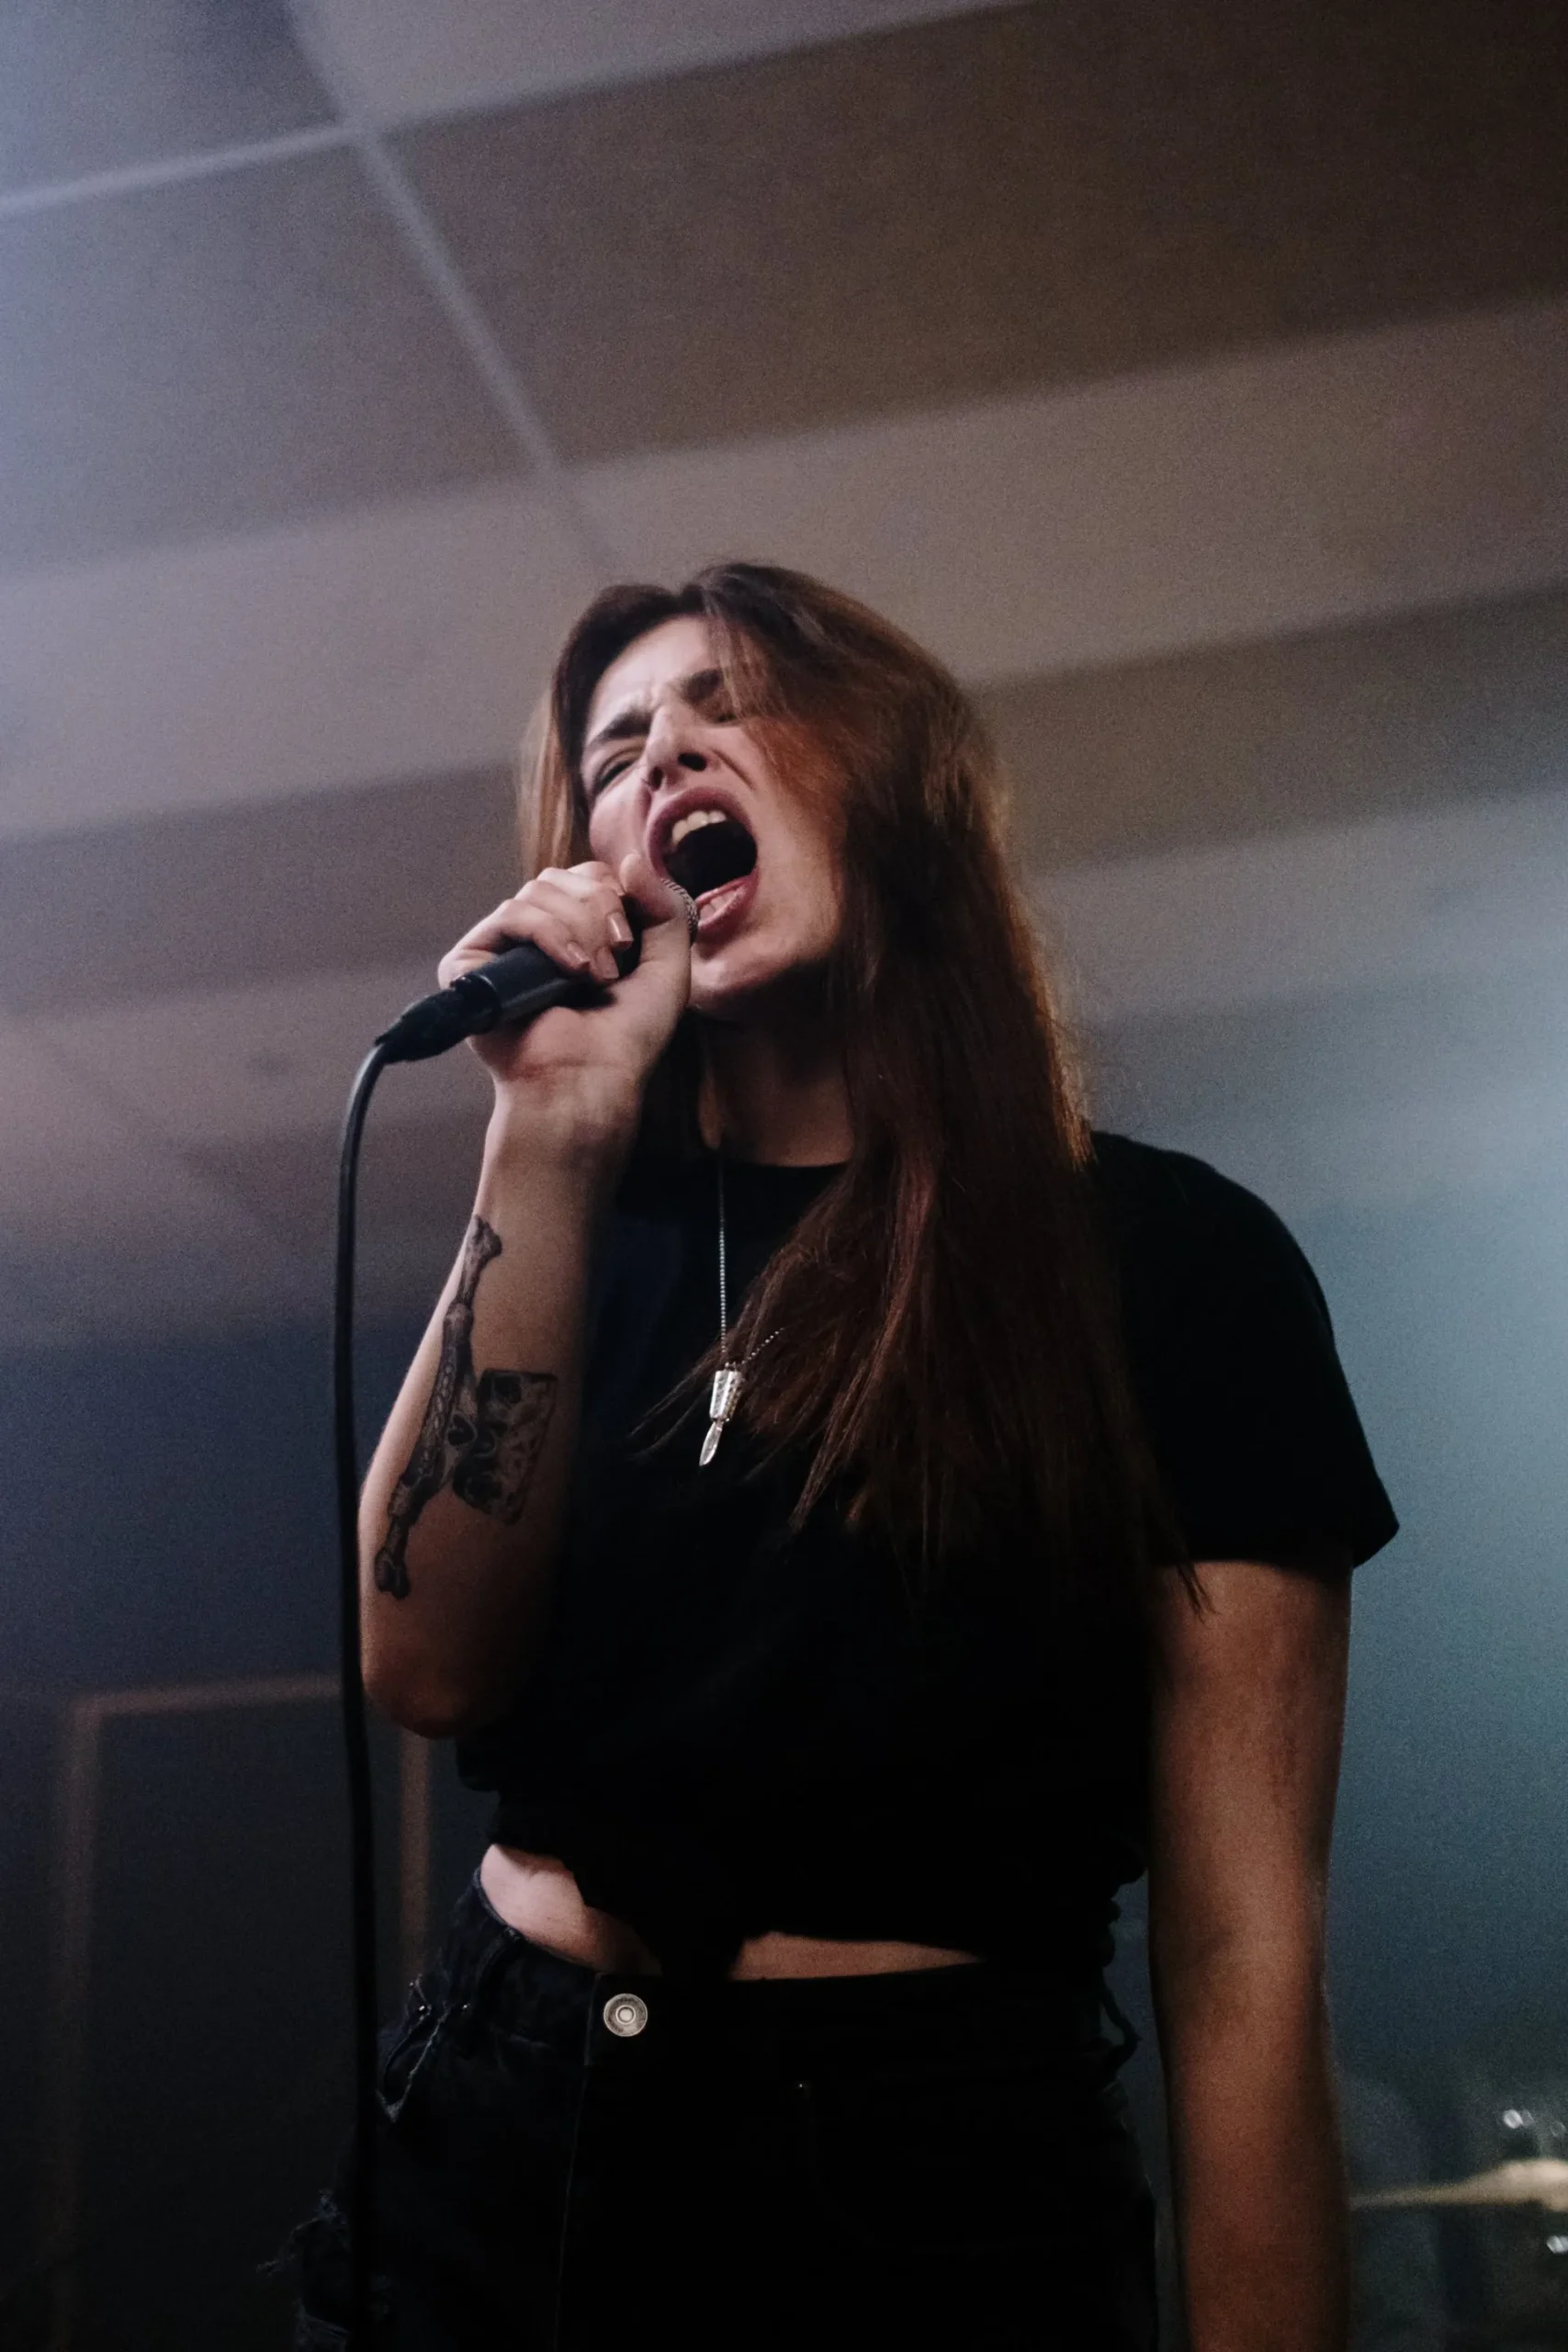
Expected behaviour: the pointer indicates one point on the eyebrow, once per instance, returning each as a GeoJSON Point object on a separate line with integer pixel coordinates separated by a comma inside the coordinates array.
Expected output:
{"type": "Point", "coordinates": [637, 718]}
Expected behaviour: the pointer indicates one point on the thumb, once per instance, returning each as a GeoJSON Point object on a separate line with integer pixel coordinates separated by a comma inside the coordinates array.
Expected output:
{"type": "Point", "coordinates": [663, 905]}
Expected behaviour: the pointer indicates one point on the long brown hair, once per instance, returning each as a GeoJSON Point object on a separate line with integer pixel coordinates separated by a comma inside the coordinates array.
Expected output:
{"type": "Point", "coordinates": [949, 1360]}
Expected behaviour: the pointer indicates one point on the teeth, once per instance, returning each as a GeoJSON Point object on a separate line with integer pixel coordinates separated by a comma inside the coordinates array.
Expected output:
{"type": "Point", "coordinates": [693, 822]}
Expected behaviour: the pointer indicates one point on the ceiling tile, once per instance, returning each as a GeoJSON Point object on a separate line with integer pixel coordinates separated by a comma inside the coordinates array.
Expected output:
{"type": "Point", "coordinates": [408, 59]}
{"type": "Point", "coordinates": [1211, 746]}
{"type": "Point", "coordinates": [1268, 492]}
{"type": "Point", "coordinates": [1022, 195]}
{"type": "Point", "coordinates": [235, 351]}
{"type": "Point", "coordinates": [417, 1179]}
{"type": "Point", "coordinates": [395, 640]}
{"type": "Point", "coordinates": [1477, 889]}
{"type": "Point", "coordinates": [326, 883]}
{"type": "Point", "coordinates": [84, 88]}
{"type": "Point", "coordinates": [173, 1169]}
{"type": "Point", "coordinates": [1351, 1049]}
{"type": "Point", "coordinates": [416, 1194]}
{"type": "Point", "coordinates": [108, 1226]}
{"type": "Point", "coordinates": [243, 1064]}
{"type": "Point", "coordinates": [1274, 492]}
{"type": "Point", "coordinates": [1289, 732]}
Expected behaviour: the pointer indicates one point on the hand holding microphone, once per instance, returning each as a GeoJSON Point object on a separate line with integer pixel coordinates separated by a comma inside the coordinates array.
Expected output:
{"type": "Point", "coordinates": [612, 951]}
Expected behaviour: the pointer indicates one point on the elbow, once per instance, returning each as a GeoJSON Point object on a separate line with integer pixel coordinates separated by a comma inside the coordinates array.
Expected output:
{"type": "Point", "coordinates": [410, 1702]}
{"type": "Point", "coordinates": [432, 1705]}
{"type": "Point", "coordinates": [1263, 1927]}
{"type": "Point", "coordinates": [1265, 1985]}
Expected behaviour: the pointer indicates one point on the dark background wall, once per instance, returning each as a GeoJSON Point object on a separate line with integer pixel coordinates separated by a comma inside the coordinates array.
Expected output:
{"type": "Point", "coordinates": [170, 1522]}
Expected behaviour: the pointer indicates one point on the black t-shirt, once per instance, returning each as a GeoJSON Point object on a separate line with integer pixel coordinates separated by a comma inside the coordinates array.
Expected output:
{"type": "Point", "coordinates": [731, 1729]}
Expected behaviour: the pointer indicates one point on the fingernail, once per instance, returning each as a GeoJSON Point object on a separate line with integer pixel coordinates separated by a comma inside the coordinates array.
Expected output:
{"type": "Point", "coordinates": [578, 957]}
{"type": "Point", "coordinates": [605, 965]}
{"type": "Point", "coordinates": [620, 931]}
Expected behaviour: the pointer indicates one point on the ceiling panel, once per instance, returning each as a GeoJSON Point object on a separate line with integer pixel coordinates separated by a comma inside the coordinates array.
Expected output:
{"type": "Point", "coordinates": [1116, 762]}
{"type": "Point", "coordinates": [1473, 889]}
{"type": "Point", "coordinates": [1350, 1049]}
{"type": "Point", "coordinates": [399, 640]}
{"type": "Point", "coordinates": [417, 1180]}
{"type": "Point", "coordinates": [1227, 741]}
{"type": "Point", "coordinates": [1023, 195]}
{"type": "Point", "coordinates": [211, 1205]}
{"type": "Point", "coordinates": [1276, 492]}
{"type": "Point", "coordinates": [408, 59]}
{"type": "Point", "coordinates": [108, 1226]}
{"type": "Point", "coordinates": [84, 88]}
{"type": "Point", "coordinates": [238, 1065]}
{"type": "Point", "coordinates": [329, 882]}
{"type": "Point", "coordinates": [220, 353]}
{"type": "Point", "coordinates": [1269, 492]}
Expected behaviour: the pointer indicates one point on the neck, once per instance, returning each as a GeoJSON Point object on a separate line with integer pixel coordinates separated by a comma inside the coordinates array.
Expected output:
{"type": "Point", "coordinates": [774, 1093]}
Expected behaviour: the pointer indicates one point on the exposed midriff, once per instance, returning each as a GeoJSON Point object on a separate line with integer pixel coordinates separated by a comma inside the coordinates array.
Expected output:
{"type": "Point", "coordinates": [539, 1897]}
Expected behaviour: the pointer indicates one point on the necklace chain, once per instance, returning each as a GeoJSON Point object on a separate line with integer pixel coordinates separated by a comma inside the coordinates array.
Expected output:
{"type": "Point", "coordinates": [724, 1285]}
{"type": "Point", "coordinates": [722, 1273]}
{"type": "Point", "coordinates": [727, 1379]}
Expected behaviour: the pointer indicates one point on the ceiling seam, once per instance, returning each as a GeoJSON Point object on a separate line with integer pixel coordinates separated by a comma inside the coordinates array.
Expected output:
{"type": "Point", "coordinates": [168, 170]}
{"type": "Point", "coordinates": [433, 257]}
{"type": "Point", "coordinates": [174, 171]}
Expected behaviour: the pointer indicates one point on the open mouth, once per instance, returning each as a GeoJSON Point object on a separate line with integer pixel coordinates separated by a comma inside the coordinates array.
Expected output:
{"type": "Point", "coordinates": [706, 851]}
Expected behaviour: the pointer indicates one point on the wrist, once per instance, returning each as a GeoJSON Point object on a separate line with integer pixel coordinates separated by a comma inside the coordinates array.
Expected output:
{"type": "Point", "coordinates": [584, 1146]}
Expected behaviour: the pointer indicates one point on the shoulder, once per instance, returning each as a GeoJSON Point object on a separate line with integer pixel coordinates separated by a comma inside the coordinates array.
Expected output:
{"type": "Point", "coordinates": [1232, 1357]}
{"type": "Point", "coordinates": [1144, 1184]}
{"type": "Point", "coordinates": [1169, 1215]}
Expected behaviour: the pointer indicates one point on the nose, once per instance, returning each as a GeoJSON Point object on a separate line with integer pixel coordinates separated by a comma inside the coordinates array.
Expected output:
{"type": "Point", "coordinates": [672, 750]}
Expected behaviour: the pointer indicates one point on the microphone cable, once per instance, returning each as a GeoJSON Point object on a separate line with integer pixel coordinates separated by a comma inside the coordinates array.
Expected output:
{"type": "Point", "coordinates": [514, 987]}
{"type": "Point", "coordinates": [355, 1733]}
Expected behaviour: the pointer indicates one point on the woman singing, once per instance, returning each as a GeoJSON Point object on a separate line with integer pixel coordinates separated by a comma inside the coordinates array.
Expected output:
{"type": "Point", "coordinates": [854, 1517]}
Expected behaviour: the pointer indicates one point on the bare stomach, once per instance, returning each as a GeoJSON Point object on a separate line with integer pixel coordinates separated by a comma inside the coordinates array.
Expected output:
{"type": "Point", "coordinates": [539, 1897]}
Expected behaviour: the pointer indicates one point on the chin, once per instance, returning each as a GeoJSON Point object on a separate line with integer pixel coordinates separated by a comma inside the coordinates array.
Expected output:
{"type": "Point", "coordinates": [727, 996]}
{"type": "Point", "coordinates": [741, 982]}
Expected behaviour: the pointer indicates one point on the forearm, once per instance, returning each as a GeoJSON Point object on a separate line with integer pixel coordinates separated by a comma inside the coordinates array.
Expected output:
{"type": "Point", "coordinates": [1255, 2158]}
{"type": "Point", "coordinates": [1249, 1699]}
{"type": "Point", "coordinates": [462, 1507]}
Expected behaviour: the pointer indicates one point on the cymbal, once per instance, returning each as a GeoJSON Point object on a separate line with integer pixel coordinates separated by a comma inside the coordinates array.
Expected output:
{"type": "Point", "coordinates": [1531, 2180]}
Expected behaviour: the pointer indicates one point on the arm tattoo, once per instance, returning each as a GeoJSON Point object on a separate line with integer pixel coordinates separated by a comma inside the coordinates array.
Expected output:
{"type": "Point", "coordinates": [480, 1437]}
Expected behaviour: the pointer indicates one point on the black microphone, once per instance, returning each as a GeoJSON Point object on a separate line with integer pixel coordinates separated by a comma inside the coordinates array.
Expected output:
{"type": "Point", "coordinates": [515, 987]}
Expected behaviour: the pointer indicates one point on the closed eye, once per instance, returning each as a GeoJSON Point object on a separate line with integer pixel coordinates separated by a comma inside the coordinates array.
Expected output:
{"type": "Point", "coordinates": [703, 691]}
{"type": "Point", "coordinates": [601, 778]}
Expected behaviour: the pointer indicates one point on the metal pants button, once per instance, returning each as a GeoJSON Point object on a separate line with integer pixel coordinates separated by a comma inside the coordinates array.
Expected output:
{"type": "Point", "coordinates": [625, 2014]}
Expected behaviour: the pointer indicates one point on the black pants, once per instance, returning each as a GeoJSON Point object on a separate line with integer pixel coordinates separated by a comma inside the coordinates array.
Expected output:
{"type": "Point", "coordinates": [572, 2162]}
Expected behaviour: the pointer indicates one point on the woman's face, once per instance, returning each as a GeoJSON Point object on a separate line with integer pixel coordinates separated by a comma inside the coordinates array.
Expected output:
{"type": "Point", "coordinates": [668, 771]}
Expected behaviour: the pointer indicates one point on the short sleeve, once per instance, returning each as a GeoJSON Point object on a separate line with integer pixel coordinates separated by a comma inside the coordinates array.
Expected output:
{"type": "Point", "coordinates": [1234, 1366]}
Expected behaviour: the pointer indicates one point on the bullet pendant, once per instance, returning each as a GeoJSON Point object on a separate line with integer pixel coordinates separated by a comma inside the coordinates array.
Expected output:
{"type": "Point", "coordinates": [721, 1404]}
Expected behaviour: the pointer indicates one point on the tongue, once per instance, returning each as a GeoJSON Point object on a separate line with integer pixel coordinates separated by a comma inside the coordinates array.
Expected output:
{"type": "Point", "coordinates": [712, 856]}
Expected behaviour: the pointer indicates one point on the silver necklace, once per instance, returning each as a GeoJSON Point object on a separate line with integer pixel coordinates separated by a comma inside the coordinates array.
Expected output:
{"type": "Point", "coordinates": [725, 1394]}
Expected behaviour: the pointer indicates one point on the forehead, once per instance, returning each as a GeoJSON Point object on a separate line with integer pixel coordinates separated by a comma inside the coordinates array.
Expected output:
{"type": "Point", "coordinates": [670, 652]}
